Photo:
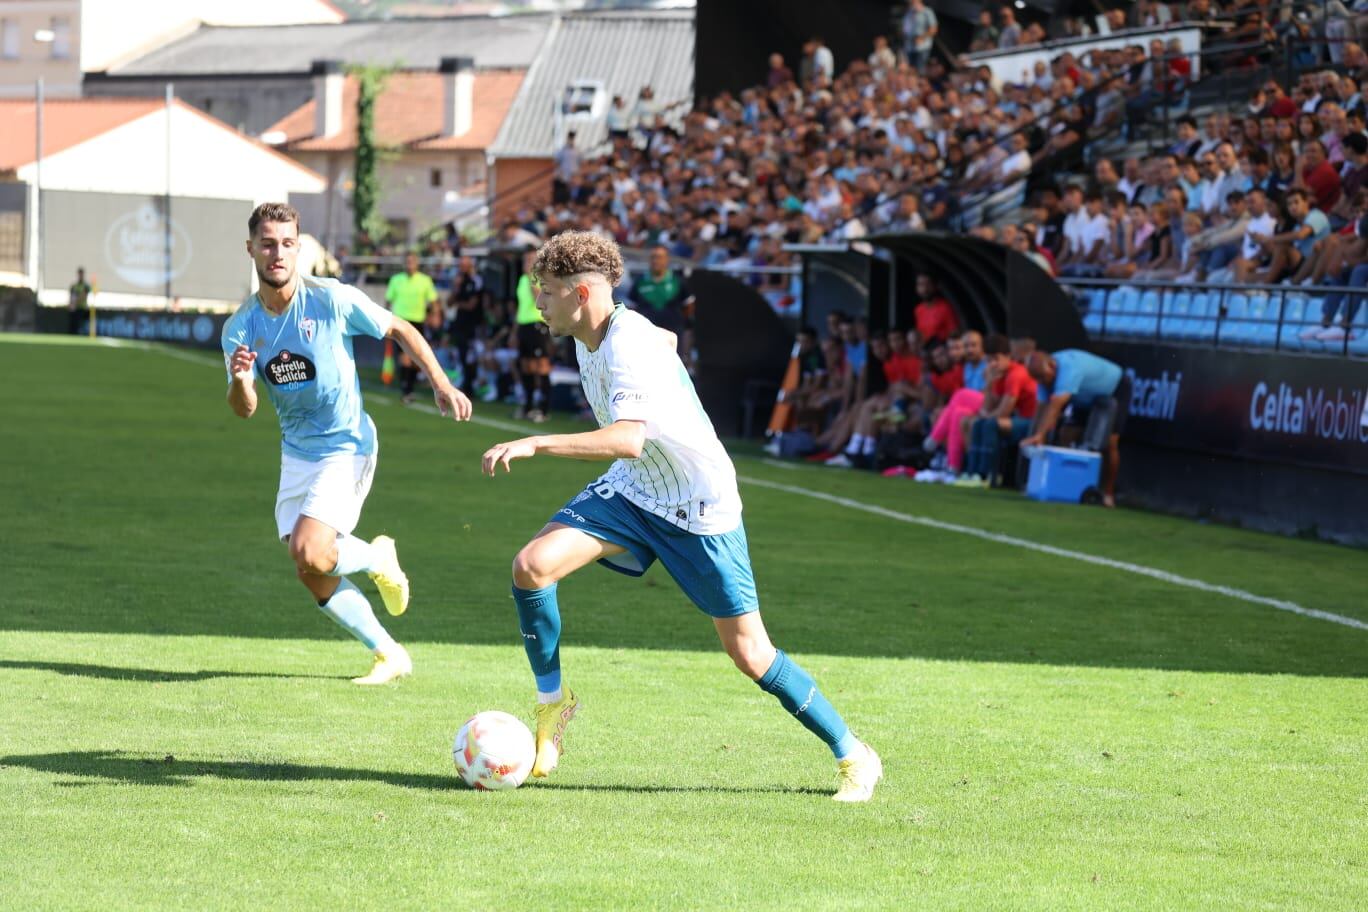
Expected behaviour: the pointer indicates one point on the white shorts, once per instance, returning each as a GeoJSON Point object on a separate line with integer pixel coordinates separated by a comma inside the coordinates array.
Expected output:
{"type": "Point", "coordinates": [332, 490]}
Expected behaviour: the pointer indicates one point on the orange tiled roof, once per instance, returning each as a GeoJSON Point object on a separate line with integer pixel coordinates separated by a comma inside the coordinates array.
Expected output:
{"type": "Point", "coordinates": [67, 122]}
{"type": "Point", "coordinates": [409, 114]}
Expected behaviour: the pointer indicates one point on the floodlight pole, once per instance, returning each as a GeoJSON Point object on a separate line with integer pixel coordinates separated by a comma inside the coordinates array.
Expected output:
{"type": "Point", "coordinates": [38, 190]}
{"type": "Point", "coordinates": [166, 214]}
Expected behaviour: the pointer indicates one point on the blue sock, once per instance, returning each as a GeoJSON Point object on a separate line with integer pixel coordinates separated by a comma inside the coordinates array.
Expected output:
{"type": "Point", "coordinates": [539, 621]}
{"type": "Point", "coordinates": [352, 611]}
{"type": "Point", "coordinates": [798, 693]}
{"type": "Point", "coordinates": [353, 556]}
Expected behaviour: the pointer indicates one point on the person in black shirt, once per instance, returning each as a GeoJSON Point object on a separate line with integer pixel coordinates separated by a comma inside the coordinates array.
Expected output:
{"type": "Point", "coordinates": [467, 314]}
{"type": "Point", "coordinates": [78, 302]}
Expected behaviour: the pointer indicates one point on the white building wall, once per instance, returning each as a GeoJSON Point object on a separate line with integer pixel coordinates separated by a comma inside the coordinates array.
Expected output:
{"type": "Point", "coordinates": [118, 29]}
{"type": "Point", "coordinates": [207, 160]}
{"type": "Point", "coordinates": [407, 194]}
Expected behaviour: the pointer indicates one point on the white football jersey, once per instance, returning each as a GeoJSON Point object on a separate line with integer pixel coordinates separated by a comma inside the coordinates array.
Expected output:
{"type": "Point", "coordinates": [684, 474]}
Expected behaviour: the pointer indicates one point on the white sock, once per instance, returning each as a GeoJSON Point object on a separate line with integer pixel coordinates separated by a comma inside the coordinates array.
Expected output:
{"type": "Point", "coordinates": [856, 443]}
{"type": "Point", "coordinates": [353, 556]}
{"type": "Point", "coordinates": [554, 696]}
{"type": "Point", "coordinates": [869, 443]}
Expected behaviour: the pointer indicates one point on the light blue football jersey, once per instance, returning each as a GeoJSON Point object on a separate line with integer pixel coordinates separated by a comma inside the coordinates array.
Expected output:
{"type": "Point", "coordinates": [304, 357]}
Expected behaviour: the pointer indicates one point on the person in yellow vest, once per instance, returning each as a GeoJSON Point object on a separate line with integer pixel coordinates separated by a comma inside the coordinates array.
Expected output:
{"type": "Point", "coordinates": [534, 347]}
{"type": "Point", "coordinates": [410, 295]}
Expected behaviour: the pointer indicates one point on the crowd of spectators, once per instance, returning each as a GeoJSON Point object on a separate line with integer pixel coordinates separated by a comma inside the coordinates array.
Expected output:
{"type": "Point", "coordinates": [830, 151]}
{"type": "Point", "coordinates": [901, 141]}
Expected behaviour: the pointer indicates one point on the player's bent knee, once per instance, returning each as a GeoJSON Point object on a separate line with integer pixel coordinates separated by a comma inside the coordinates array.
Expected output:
{"type": "Point", "coordinates": [312, 557]}
{"type": "Point", "coordinates": [752, 657]}
{"type": "Point", "coordinates": [533, 569]}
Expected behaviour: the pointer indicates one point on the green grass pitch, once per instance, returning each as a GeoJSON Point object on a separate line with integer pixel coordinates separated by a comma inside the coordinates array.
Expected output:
{"type": "Point", "coordinates": [177, 729]}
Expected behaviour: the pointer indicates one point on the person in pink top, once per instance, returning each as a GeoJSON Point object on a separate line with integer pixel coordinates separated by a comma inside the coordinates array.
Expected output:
{"type": "Point", "coordinates": [951, 427]}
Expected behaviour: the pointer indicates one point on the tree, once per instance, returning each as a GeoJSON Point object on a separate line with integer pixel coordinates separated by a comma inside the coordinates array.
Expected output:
{"type": "Point", "coordinates": [369, 225]}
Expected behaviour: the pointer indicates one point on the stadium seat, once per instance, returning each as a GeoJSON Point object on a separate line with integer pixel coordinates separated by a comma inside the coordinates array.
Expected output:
{"type": "Point", "coordinates": [1191, 328]}
{"type": "Point", "coordinates": [1236, 306]}
{"type": "Point", "coordinates": [1176, 311]}
{"type": "Point", "coordinates": [1146, 322]}
{"type": "Point", "coordinates": [1261, 327]}
{"type": "Point", "coordinates": [1293, 309]}
{"type": "Point", "coordinates": [1121, 307]}
{"type": "Point", "coordinates": [1310, 320]}
{"type": "Point", "coordinates": [1096, 303]}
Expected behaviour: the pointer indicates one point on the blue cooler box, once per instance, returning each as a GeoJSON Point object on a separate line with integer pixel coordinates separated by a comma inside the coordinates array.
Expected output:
{"type": "Point", "coordinates": [1062, 474]}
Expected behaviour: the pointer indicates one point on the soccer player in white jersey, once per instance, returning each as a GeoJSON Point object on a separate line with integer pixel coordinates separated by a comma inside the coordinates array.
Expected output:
{"type": "Point", "coordinates": [295, 333]}
{"type": "Point", "coordinates": [670, 495]}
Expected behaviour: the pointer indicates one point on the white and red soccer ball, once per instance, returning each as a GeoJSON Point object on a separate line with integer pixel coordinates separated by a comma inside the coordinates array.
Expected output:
{"type": "Point", "coordinates": [494, 751]}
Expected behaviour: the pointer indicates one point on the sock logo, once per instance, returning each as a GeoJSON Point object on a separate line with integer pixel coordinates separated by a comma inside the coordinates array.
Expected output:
{"type": "Point", "coordinates": [528, 636]}
{"type": "Point", "coordinates": [812, 692]}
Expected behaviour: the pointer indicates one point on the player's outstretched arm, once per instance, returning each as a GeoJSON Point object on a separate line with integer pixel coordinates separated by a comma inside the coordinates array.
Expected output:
{"type": "Point", "coordinates": [242, 397]}
{"type": "Point", "coordinates": [619, 440]}
{"type": "Point", "coordinates": [450, 400]}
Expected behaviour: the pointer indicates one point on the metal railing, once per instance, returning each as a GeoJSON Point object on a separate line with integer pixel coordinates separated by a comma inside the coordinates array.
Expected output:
{"type": "Point", "coordinates": [1251, 317]}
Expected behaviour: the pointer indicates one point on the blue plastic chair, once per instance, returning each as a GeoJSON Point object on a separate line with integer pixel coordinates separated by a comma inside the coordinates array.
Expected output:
{"type": "Point", "coordinates": [1190, 327]}
{"type": "Point", "coordinates": [1237, 305]}
{"type": "Point", "coordinates": [1121, 311]}
{"type": "Point", "coordinates": [1264, 334]}
{"type": "Point", "coordinates": [1176, 310]}
{"type": "Point", "coordinates": [1293, 309]}
{"type": "Point", "coordinates": [1147, 320]}
{"type": "Point", "coordinates": [1310, 320]}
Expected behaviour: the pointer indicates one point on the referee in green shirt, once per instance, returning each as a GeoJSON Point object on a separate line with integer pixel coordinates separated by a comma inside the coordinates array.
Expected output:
{"type": "Point", "coordinates": [410, 294]}
{"type": "Point", "coordinates": [534, 347]}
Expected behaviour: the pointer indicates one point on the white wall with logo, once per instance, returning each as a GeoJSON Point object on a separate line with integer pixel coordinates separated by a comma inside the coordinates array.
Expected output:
{"type": "Point", "coordinates": [121, 240]}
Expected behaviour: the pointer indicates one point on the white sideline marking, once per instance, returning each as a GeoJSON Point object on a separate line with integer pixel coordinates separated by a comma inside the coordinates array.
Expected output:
{"type": "Point", "coordinates": [474, 419]}
{"type": "Point", "coordinates": [1138, 569]}
{"type": "Point", "coordinates": [778, 464]}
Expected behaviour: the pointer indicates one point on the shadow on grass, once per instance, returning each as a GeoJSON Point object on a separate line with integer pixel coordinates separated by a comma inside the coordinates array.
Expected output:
{"type": "Point", "coordinates": [150, 675]}
{"type": "Point", "coordinates": [137, 769]}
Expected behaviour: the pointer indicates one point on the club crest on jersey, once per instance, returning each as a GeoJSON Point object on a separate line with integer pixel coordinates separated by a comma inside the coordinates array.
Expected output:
{"type": "Point", "coordinates": [306, 326]}
{"type": "Point", "coordinates": [290, 371]}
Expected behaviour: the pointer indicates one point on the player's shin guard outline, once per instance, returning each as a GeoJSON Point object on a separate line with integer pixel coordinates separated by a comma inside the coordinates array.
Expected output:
{"type": "Point", "coordinates": [798, 693]}
{"type": "Point", "coordinates": [540, 624]}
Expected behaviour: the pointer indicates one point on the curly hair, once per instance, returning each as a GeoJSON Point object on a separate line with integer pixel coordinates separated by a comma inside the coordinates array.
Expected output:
{"type": "Point", "coordinates": [575, 252]}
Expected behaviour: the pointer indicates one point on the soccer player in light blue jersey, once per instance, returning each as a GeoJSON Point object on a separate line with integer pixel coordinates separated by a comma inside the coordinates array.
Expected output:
{"type": "Point", "coordinates": [670, 495]}
{"type": "Point", "coordinates": [295, 334]}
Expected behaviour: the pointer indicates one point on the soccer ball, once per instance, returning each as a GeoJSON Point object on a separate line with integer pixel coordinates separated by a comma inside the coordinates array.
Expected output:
{"type": "Point", "coordinates": [493, 751]}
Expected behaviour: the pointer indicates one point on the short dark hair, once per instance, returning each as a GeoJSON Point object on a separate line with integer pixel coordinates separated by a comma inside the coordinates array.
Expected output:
{"type": "Point", "coordinates": [272, 212]}
{"type": "Point", "coordinates": [1257, 155]}
{"type": "Point", "coordinates": [1356, 143]}
{"type": "Point", "coordinates": [1296, 191]}
{"type": "Point", "coordinates": [997, 344]}
{"type": "Point", "coordinates": [1235, 196]}
{"type": "Point", "coordinates": [1189, 120]}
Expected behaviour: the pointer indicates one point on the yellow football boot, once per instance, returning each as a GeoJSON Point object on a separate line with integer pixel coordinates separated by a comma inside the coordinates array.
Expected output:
{"type": "Point", "coordinates": [389, 665]}
{"type": "Point", "coordinates": [859, 773]}
{"type": "Point", "coordinates": [551, 721]}
{"type": "Point", "coordinates": [387, 576]}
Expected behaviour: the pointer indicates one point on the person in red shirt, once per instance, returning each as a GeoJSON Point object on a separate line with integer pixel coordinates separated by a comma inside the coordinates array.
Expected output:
{"type": "Point", "coordinates": [936, 320]}
{"type": "Point", "coordinates": [1009, 409]}
{"type": "Point", "coordinates": [903, 366]}
{"type": "Point", "coordinates": [1319, 176]}
{"type": "Point", "coordinates": [943, 380]}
